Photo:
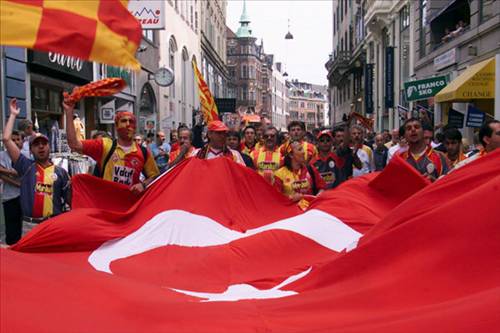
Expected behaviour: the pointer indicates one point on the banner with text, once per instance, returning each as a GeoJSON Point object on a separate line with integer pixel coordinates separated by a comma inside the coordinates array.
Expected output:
{"type": "Point", "coordinates": [423, 89]}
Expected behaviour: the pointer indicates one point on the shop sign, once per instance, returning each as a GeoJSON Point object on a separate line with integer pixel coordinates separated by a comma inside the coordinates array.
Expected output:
{"type": "Point", "coordinates": [107, 113]}
{"type": "Point", "coordinates": [389, 77]}
{"type": "Point", "coordinates": [455, 119]}
{"type": "Point", "coordinates": [446, 59]}
{"type": "Point", "coordinates": [62, 63]}
{"type": "Point", "coordinates": [369, 88]}
{"type": "Point", "coordinates": [475, 117]}
{"type": "Point", "coordinates": [424, 89]}
{"type": "Point", "coordinates": [151, 14]}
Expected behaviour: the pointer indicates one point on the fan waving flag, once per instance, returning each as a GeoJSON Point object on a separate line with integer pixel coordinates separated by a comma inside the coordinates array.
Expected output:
{"type": "Point", "coordinates": [385, 252]}
{"type": "Point", "coordinates": [98, 30]}
{"type": "Point", "coordinates": [208, 106]}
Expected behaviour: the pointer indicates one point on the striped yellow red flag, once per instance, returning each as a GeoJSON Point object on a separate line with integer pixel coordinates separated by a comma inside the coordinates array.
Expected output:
{"type": "Point", "coordinates": [208, 106]}
{"type": "Point", "coordinates": [97, 30]}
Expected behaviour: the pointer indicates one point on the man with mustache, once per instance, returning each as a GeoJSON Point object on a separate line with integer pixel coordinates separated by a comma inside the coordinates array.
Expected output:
{"type": "Point", "coordinates": [121, 160]}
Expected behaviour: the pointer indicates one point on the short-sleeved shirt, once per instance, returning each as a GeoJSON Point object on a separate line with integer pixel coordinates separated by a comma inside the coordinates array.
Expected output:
{"type": "Point", "coordinates": [210, 153]}
{"type": "Point", "coordinates": [365, 154]}
{"type": "Point", "coordinates": [310, 150]}
{"type": "Point", "coordinates": [380, 158]}
{"type": "Point", "coordinates": [123, 166]}
{"type": "Point", "coordinates": [329, 169]}
{"type": "Point", "coordinates": [267, 162]}
{"type": "Point", "coordinates": [289, 182]}
{"type": "Point", "coordinates": [161, 160]}
{"type": "Point", "coordinates": [9, 191]}
{"type": "Point", "coordinates": [44, 191]}
{"type": "Point", "coordinates": [247, 150]}
{"type": "Point", "coordinates": [429, 162]}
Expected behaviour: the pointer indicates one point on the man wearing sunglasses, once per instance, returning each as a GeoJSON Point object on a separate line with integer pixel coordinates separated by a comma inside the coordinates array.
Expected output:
{"type": "Point", "coordinates": [327, 164]}
{"type": "Point", "coordinates": [268, 159]}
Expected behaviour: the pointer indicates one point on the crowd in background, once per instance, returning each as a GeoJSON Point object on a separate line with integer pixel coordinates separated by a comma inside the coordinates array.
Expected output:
{"type": "Point", "coordinates": [298, 163]}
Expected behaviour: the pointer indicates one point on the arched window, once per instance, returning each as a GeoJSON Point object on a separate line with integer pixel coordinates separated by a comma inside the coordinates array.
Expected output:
{"type": "Point", "coordinates": [184, 83]}
{"type": "Point", "coordinates": [172, 49]}
{"type": "Point", "coordinates": [147, 109]}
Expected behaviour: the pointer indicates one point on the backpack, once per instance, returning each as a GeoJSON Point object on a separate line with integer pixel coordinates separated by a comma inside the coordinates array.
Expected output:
{"type": "Point", "coordinates": [98, 172]}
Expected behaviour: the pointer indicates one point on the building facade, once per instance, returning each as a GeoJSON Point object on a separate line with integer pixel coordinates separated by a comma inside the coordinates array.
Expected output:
{"type": "Point", "coordinates": [279, 97]}
{"type": "Point", "coordinates": [180, 44]}
{"type": "Point", "coordinates": [213, 46]}
{"type": "Point", "coordinates": [307, 103]}
{"type": "Point", "coordinates": [450, 37]}
{"type": "Point", "coordinates": [347, 62]}
{"type": "Point", "coordinates": [245, 65]}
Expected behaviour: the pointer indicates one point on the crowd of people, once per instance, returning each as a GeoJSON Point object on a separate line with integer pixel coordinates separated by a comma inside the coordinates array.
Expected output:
{"type": "Point", "coordinates": [297, 163]}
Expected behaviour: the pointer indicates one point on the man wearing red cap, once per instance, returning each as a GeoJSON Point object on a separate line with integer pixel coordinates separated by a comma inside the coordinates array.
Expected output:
{"type": "Point", "coordinates": [216, 147]}
{"type": "Point", "coordinates": [122, 160]}
{"type": "Point", "coordinates": [327, 163]}
{"type": "Point", "coordinates": [45, 187]}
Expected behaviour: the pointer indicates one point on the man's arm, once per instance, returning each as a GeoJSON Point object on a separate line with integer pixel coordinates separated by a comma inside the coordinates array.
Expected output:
{"type": "Point", "coordinates": [73, 142]}
{"type": "Point", "coordinates": [11, 181]}
{"type": "Point", "coordinates": [10, 146]}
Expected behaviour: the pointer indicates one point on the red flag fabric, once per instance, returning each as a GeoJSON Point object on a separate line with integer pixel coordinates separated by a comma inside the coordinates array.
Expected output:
{"type": "Point", "coordinates": [227, 253]}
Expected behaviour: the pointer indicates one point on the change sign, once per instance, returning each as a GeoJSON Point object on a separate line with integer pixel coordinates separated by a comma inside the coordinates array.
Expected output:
{"type": "Point", "coordinates": [423, 89]}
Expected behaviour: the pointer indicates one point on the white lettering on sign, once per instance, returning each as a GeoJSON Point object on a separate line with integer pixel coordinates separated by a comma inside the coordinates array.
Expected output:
{"type": "Point", "coordinates": [66, 61]}
{"type": "Point", "coordinates": [123, 174]}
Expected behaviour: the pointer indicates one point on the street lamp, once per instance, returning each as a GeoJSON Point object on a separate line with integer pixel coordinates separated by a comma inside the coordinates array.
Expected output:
{"type": "Point", "coordinates": [288, 34]}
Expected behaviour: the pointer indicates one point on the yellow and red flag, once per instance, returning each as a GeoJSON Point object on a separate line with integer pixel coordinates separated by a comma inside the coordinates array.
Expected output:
{"type": "Point", "coordinates": [97, 30]}
{"type": "Point", "coordinates": [208, 106]}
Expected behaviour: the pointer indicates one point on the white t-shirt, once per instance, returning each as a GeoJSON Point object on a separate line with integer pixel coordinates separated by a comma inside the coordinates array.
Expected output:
{"type": "Point", "coordinates": [365, 154]}
{"type": "Point", "coordinates": [214, 153]}
{"type": "Point", "coordinates": [9, 191]}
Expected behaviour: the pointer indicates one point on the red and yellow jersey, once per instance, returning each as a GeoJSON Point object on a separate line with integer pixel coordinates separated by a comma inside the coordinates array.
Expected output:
{"type": "Point", "coordinates": [267, 162]}
{"type": "Point", "coordinates": [125, 165]}
{"type": "Point", "coordinates": [310, 150]}
{"type": "Point", "coordinates": [429, 162]}
{"type": "Point", "coordinates": [461, 157]}
{"type": "Point", "coordinates": [247, 150]}
{"type": "Point", "coordinates": [175, 153]}
{"type": "Point", "coordinates": [289, 182]}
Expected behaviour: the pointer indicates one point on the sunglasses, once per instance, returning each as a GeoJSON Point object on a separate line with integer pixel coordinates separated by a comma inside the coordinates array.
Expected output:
{"type": "Point", "coordinates": [269, 136]}
{"type": "Point", "coordinates": [325, 140]}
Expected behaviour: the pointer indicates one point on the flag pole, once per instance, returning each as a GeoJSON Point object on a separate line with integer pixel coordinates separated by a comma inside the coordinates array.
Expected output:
{"type": "Point", "coordinates": [497, 86]}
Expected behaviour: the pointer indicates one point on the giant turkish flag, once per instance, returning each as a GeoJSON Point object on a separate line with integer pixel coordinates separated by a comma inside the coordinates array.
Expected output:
{"type": "Point", "coordinates": [210, 247]}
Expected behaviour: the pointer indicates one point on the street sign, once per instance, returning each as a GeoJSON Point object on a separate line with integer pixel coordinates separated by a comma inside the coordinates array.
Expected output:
{"type": "Point", "coordinates": [475, 117]}
{"type": "Point", "coordinates": [455, 119]}
{"type": "Point", "coordinates": [151, 14]}
{"type": "Point", "coordinates": [423, 89]}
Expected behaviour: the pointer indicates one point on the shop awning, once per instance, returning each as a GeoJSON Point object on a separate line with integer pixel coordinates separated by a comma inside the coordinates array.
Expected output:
{"type": "Point", "coordinates": [477, 82]}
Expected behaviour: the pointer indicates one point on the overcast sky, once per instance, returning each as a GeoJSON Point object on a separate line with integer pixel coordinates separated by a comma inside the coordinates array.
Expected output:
{"type": "Point", "coordinates": [310, 23]}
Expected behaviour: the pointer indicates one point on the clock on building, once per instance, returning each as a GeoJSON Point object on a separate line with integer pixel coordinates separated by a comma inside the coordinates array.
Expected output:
{"type": "Point", "coordinates": [164, 77]}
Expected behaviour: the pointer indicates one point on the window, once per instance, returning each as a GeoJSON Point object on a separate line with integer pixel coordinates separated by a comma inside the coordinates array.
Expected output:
{"type": "Point", "coordinates": [196, 21]}
{"type": "Point", "coordinates": [404, 18]}
{"type": "Point", "coordinates": [148, 34]}
{"type": "Point", "coordinates": [171, 61]}
{"type": "Point", "coordinates": [191, 19]}
{"type": "Point", "coordinates": [486, 10]}
{"type": "Point", "coordinates": [244, 72]}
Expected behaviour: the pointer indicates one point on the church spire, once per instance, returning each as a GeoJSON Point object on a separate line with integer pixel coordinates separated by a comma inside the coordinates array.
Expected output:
{"type": "Point", "coordinates": [244, 30]}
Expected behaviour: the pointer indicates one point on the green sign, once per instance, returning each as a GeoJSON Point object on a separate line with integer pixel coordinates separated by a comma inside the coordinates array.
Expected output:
{"type": "Point", "coordinates": [423, 89]}
{"type": "Point", "coordinates": [121, 73]}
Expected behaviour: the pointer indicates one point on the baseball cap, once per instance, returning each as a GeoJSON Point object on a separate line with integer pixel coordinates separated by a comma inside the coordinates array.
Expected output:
{"type": "Point", "coordinates": [217, 126]}
{"type": "Point", "coordinates": [324, 132]}
{"type": "Point", "coordinates": [38, 136]}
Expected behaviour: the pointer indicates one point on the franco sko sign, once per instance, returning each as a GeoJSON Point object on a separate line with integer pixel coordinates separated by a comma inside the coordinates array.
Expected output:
{"type": "Point", "coordinates": [423, 89]}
